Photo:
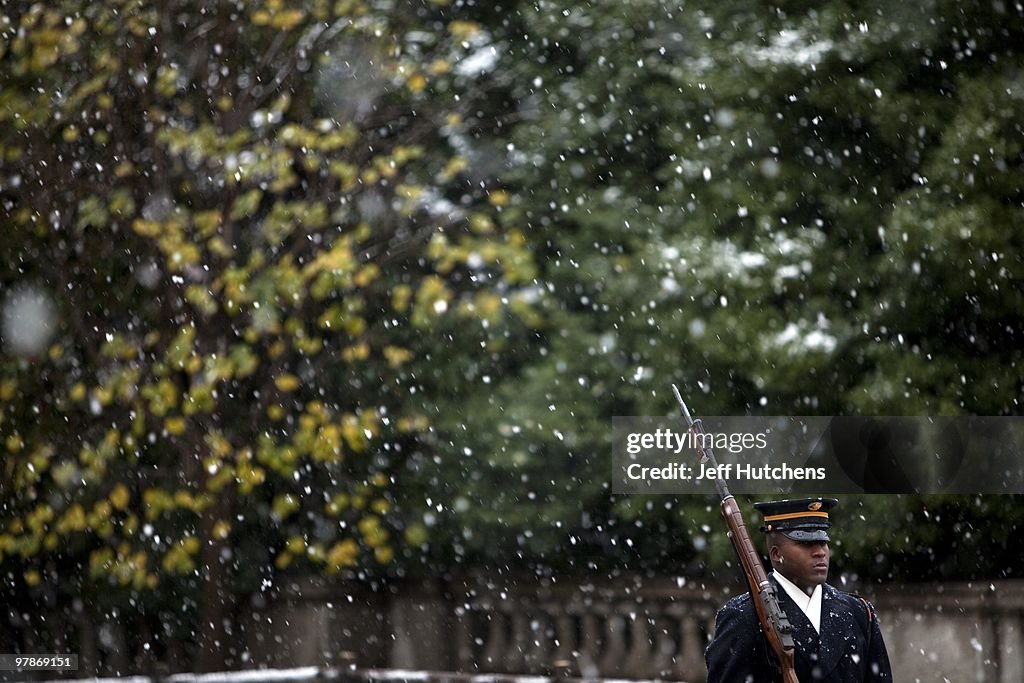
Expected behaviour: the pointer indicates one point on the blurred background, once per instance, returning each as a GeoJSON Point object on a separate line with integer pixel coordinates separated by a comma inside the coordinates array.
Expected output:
{"type": "Point", "coordinates": [314, 316]}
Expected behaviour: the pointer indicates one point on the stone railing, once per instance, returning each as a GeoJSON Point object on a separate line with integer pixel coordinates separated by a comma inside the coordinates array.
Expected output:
{"type": "Point", "coordinates": [633, 631]}
{"type": "Point", "coordinates": [630, 628]}
{"type": "Point", "coordinates": [954, 631]}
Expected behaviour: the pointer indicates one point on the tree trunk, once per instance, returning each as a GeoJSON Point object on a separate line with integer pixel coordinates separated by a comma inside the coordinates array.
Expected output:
{"type": "Point", "coordinates": [218, 599]}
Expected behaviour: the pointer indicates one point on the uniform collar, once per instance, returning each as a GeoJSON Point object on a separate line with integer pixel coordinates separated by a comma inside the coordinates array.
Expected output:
{"type": "Point", "coordinates": [821, 651]}
{"type": "Point", "coordinates": [810, 605]}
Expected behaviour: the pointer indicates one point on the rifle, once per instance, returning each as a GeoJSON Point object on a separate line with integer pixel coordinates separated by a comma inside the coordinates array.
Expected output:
{"type": "Point", "coordinates": [774, 622]}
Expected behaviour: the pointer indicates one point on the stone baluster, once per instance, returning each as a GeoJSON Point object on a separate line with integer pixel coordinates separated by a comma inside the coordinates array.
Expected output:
{"type": "Point", "coordinates": [565, 641]}
{"type": "Point", "coordinates": [1011, 650]}
{"type": "Point", "coordinates": [692, 646]}
{"type": "Point", "coordinates": [539, 645]}
{"type": "Point", "coordinates": [667, 651]}
{"type": "Point", "coordinates": [516, 654]}
{"type": "Point", "coordinates": [496, 646]}
{"type": "Point", "coordinates": [463, 633]}
{"type": "Point", "coordinates": [590, 645]}
{"type": "Point", "coordinates": [611, 662]}
{"type": "Point", "coordinates": [638, 661]}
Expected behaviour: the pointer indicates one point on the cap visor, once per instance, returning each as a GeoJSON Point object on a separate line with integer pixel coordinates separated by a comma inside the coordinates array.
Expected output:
{"type": "Point", "coordinates": [805, 535]}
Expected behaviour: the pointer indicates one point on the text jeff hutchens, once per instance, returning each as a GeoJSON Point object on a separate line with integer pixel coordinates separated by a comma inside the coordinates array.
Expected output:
{"type": "Point", "coordinates": [731, 471]}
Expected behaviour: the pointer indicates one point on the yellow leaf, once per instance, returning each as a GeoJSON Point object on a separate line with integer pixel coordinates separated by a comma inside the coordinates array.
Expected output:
{"type": "Point", "coordinates": [7, 389]}
{"type": "Point", "coordinates": [366, 275]}
{"type": "Point", "coordinates": [175, 426]}
{"type": "Point", "coordinates": [288, 19]}
{"type": "Point", "coordinates": [73, 520]}
{"type": "Point", "coordinates": [355, 352]}
{"type": "Point", "coordinates": [343, 554]}
{"type": "Point", "coordinates": [183, 499]}
{"type": "Point", "coordinates": [120, 496]}
{"type": "Point", "coordinates": [296, 545]}
{"type": "Point", "coordinates": [400, 297]}
{"type": "Point", "coordinates": [221, 529]}
{"type": "Point", "coordinates": [397, 356]}
{"type": "Point", "coordinates": [287, 382]}
{"type": "Point", "coordinates": [481, 224]}
{"type": "Point", "coordinates": [177, 561]}
{"type": "Point", "coordinates": [284, 505]}
{"type": "Point", "coordinates": [100, 512]}
{"type": "Point", "coordinates": [416, 535]}
{"type": "Point", "coordinates": [353, 433]}
{"type": "Point", "coordinates": [463, 30]}
{"type": "Point", "coordinates": [498, 198]}
{"type": "Point", "coordinates": [246, 204]}
{"type": "Point", "coordinates": [417, 83]}
{"type": "Point", "coordinates": [337, 505]}
{"type": "Point", "coordinates": [454, 167]}
{"type": "Point", "coordinates": [488, 305]}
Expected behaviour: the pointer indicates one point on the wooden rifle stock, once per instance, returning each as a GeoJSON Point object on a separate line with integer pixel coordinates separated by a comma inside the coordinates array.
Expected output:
{"type": "Point", "coordinates": [776, 627]}
{"type": "Point", "coordinates": [778, 632]}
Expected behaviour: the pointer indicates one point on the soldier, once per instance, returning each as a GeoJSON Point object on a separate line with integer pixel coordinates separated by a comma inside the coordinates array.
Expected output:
{"type": "Point", "coordinates": [836, 634]}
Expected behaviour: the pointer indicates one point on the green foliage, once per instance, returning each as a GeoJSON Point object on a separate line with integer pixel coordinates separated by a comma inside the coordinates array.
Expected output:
{"type": "Point", "coordinates": [784, 209]}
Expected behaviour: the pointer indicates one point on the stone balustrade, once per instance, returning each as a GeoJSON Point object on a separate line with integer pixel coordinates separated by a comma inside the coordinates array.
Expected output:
{"type": "Point", "coordinates": [630, 628]}
{"type": "Point", "coordinates": [588, 630]}
{"type": "Point", "coordinates": [627, 628]}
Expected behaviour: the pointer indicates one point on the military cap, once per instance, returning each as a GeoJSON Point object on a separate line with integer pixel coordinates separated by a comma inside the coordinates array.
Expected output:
{"type": "Point", "coordinates": [803, 519]}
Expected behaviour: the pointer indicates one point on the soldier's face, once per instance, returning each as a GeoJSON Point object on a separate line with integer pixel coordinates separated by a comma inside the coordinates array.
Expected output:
{"type": "Point", "coordinates": [803, 563]}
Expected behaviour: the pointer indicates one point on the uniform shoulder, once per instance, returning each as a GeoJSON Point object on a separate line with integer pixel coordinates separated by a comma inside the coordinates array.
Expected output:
{"type": "Point", "coordinates": [856, 603]}
{"type": "Point", "coordinates": [849, 598]}
{"type": "Point", "coordinates": [736, 620]}
{"type": "Point", "coordinates": [739, 608]}
{"type": "Point", "coordinates": [739, 602]}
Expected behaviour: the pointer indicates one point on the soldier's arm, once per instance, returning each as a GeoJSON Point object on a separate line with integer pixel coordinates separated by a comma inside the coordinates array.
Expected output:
{"type": "Point", "coordinates": [879, 669]}
{"type": "Point", "coordinates": [736, 653]}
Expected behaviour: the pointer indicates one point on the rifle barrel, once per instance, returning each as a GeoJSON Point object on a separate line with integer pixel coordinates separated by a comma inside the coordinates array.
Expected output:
{"type": "Point", "coordinates": [775, 624]}
{"type": "Point", "coordinates": [706, 454]}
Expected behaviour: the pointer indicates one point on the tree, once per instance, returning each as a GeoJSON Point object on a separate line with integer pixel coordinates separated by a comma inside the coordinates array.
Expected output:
{"type": "Point", "coordinates": [246, 225]}
{"type": "Point", "coordinates": [785, 209]}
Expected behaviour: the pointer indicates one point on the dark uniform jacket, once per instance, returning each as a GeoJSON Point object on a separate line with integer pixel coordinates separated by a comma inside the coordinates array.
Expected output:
{"type": "Point", "coordinates": [849, 648]}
